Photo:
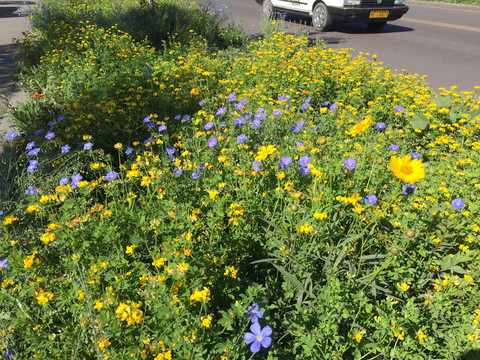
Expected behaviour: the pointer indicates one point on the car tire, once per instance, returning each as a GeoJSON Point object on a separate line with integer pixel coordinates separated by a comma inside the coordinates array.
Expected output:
{"type": "Point", "coordinates": [267, 9]}
{"type": "Point", "coordinates": [321, 19]}
{"type": "Point", "coordinates": [376, 25]}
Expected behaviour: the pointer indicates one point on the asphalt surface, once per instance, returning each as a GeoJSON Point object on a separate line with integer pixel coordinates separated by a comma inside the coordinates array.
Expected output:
{"type": "Point", "coordinates": [12, 26]}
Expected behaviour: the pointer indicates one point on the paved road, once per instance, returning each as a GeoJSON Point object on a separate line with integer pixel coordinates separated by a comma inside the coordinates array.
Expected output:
{"type": "Point", "coordinates": [438, 40]}
{"type": "Point", "coordinates": [11, 26]}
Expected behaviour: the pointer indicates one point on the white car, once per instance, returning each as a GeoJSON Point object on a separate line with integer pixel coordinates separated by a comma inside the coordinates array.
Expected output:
{"type": "Point", "coordinates": [375, 13]}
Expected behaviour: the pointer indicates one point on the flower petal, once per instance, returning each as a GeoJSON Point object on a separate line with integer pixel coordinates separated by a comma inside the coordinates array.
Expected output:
{"type": "Point", "coordinates": [266, 331]}
{"type": "Point", "coordinates": [255, 328]}
{"type": "Point", "coordinates": [266, 341]}
{"type": "Point", "coordinates": [249, 338]}
{"type": "Point", "coordinates": [255, 347]}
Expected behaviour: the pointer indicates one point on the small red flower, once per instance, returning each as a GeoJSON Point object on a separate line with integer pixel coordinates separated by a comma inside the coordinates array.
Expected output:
{"type": "Point", "coordinates": [38, 96]}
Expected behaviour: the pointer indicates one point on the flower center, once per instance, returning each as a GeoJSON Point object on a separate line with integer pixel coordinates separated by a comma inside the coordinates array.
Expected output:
{"type": "Point", "coordinates": [406, 169]}
{"type": "Point", "coordinates": [259, 338]}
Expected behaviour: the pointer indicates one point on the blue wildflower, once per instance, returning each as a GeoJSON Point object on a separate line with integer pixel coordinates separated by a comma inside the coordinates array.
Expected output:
{"type": "Point", "coordinates": [31, 190]}
{"type": "Point", "coordinates": [170, 150]}
{"type": "Point", "coordinates": [33, 152]}
{"type": "Point", "coordinates": [254, 313]}
{"type": "Point", "coordinates": [409, 189]}
{"type": "Point", "coordinates": [212, 142]}
{"type": "Point", "coordinates": [196, 174]}
{"type": "Point", "coordinates": [110, 176]}
{"type": "Point", "coordinates": [285, 162]}
{"type": "Point", "coordinates": [370, 200]}
{"type": "Point", "coordinates": [12, 135]}
{"type": "Point", "coordinates": [50, 136]}
{"type": "Point", "coordinates": [258, 337]}
{"type": "Point", "coordinates": [65, 148]}
{"type": "Point", "coordinates": [221, 111]}
{"type": "Point", "coordinates": [458, 203]}
{"type": "Point", "coordinates": [350, 163]}
{"type": "Point", "coordinates": [3, 263]}
{"type": "Point", "coordinates": [87, 146]}
{"type": "Point", "coordinates": [257, 165]}
{"type": "Point", "coordinates": [64, 181]}
{"type": "Point", "coordinates": [304, 161]}
{"type": "Point", "coordinates": [241, 138]}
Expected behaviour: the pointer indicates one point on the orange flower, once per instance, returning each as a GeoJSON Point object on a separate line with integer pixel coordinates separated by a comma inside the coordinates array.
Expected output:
{"type": "Point", "coordinates": [407, 169]}
{"type": "Point", "coordinates": [38, 96]}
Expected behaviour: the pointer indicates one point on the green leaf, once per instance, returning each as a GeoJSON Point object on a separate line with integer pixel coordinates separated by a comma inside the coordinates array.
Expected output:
{"type": "Point", "coordinates": [419, 121]}
{"type": "Point", "coordinates": [444, 101]}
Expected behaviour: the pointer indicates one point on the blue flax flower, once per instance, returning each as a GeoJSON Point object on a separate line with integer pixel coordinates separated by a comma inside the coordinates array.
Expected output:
{"type": "Point", "coordinates": [305, 170]}
{"type": "Point", "coordinates": [399, 108]}
{"type": "Point", "coordinates": [12, 135]}
{"type": "Point", "coordinates": [128, 151]}
{"type": "Point", "coordinates": [65, 148]}
{"type": "Point", "coordinates": [212, 142]}
{"type": "Point", "coordinates": [256, 124]}
{"type": "Point", "coordinates": [208, 125]}
{"type": "Point", "coordinates": [370, 200]}
{"type": "Point", "coordinates": [254, 313]}
{"type": "Point", "coordinates": [177, 171]}
{"type": "Point", "coordinates": [170, 150]}
{"type": "Point", "coordinates": [162, 128]}
{"type": "Point", "coordinates": [241, 138]}
{"type": "Point", "coordinates": [9, 354]}
{"type": "Point", "coordinates": [408, 189]}
{"type": "Point", "coordinates": [257, 165]}
{"type": "Point", "coordinates": [196, 174]}
{"type": "Point", "coordinates": [393, 147]}
{"type": "Point", "coordinates": [31, 190]}
{"type": "Point", "coordinates": [458, 203]}
{"type": "Point", "coordinates": [221, 111]}
{"type": "Point", "coordinates": [50, 136]}
{"type": "Point", "coordinates": [239, 121]}
{"type": "Point", "coordinates": [3, 264]}
{"type": "Point", "coordinates": [231, 97]}
{"type": "Point", "coordinates": [258, 337]}
{"type": "Point", "coordinates": [64, 181]}
{"type": "Point", "coordinates": [350, 163]}
{"type": "Point", "coordinates": [304, 161]}
{"type": "Point", "coordinates": [30, 145]}
{"type": "Point", "coordinates": [415, 155]}
{"type": "Point", "coordinates": [285, 162]}
{"type": "Point", "coordinates": [110, 176]}
{"type": "Point", "coordinates": [380, 126]}
{"type": "Point", "coordinates": [33, 152]}
{"type": "Point", "coordinates": [75, 180]}
{"type": "Point", "coordinates": [87, 146]}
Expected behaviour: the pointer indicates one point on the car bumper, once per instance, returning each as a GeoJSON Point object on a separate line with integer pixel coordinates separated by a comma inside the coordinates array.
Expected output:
{"type": "Point", "coordinates": [363, 14]}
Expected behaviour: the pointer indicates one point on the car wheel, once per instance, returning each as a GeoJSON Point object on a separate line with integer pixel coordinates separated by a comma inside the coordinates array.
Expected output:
{"type": "Point", "coordinates": [376, 25]}
{"type": "Point", "coordinates": [267, 9]}
{"type": "Point", "coordinates": [321, 19]}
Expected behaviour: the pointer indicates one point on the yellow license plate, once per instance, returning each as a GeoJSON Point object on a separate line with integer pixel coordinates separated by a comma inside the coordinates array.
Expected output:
{"type": "Point", "coordinates": [378, 14]}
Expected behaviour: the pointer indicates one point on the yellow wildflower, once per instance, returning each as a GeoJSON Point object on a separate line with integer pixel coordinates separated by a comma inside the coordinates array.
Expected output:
{"type": "Point", "coordinates": [407, 169]}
